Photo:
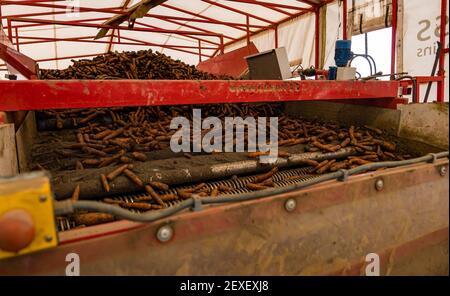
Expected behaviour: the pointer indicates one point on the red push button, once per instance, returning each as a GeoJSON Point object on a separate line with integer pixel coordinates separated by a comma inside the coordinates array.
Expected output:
{"type": "Point", "coordinates": [17, 230]}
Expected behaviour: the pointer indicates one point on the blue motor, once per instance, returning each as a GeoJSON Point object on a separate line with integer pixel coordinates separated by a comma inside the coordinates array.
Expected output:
{"type": "Point", "coordinates": [343, 52]}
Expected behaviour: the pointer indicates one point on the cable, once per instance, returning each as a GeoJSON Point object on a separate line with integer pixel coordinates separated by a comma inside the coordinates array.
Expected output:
{"type": "Point", "coordinates": [414, 85]}
{"type": "Point", "coordinates": [369, 59]}
{"type": "Point", "coordinates": [68, 207]}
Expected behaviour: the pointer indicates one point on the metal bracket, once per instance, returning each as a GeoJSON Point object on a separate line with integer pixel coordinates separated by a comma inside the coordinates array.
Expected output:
{"type": "Point", "coordinates": [434, 157]}
{"type": "Point", "coordinates": [344, 176]}
{"type": "Point", "coordinates": [197, 204]}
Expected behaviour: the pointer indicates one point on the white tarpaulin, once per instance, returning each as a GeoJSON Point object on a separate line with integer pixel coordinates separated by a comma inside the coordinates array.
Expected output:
{"type": "Point", "coordinates": [214, 16]}
{"type": "Point", "coordinates": [334, 31]}
{"type": "Point", "coordinates": [420, 34]}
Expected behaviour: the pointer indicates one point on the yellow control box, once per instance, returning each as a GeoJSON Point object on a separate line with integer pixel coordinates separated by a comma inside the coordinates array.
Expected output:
{"type": "Point", "coordinates": [31, 193]}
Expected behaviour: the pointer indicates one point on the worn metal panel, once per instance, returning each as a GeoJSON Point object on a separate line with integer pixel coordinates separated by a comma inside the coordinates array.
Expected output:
{"type": "Point", "coordinates": [334, 226]}
{"type": "Point", "coordinates": [426, 123]}
{"type": "Point", "coordinates": [232, 63]}
{"type": "Point", "coordinates": [24, 139]}
{"type": "Point", "coordinates": [8, 158]}
{"type": "Point", "coordinates": [346, 114]}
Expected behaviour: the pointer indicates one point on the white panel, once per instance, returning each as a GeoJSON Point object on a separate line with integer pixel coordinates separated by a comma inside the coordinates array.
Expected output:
{"type": "Point", "coordinates": [298, 38]}
{"type": "Point", "coordinates": [265, 40]}
{"type": "Point", "coordinates": [421, 31]}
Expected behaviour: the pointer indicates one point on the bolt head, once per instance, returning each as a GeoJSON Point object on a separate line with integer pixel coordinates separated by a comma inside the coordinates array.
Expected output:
{"type": "Point", "coordinates": [290, 205]}
{"type": "Point", "coordinates": [379, 185]}
{"type": "Point", "coordinates": [443, 171]}
{"type": "Point", "coordinates": [42, 198]}
{"type": "Point", "coordinates": [164, 233]}
{"type": "Point", "coordinates": [48, 238]}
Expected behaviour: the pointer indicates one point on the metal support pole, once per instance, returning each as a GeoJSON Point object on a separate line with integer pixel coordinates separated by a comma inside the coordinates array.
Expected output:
{"type": "Point", "coordinates": [222, 45]}
{"type": "Point", "coordinates": [199, 51]}
{"type": "Point", "coordinates": [317, 39]}
{"type": "Point", "coordinates": [344, 21]}
{"type": "Point", "coordinates": [248, 28]}
{"type": "Point", "coordinates": [9, 29]}
{"type": "Point", "coordinates": [276, 36]}
{"type": "Point", "coordinates": [17, 39]}
{"type": "Point", "coordinates": [441, 72]}
{"type": "Point", "coordinates": [394, 37]}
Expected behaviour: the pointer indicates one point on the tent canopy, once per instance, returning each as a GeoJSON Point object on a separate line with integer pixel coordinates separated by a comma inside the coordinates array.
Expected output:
{"type": "Point", "coordinates": [53, 32]}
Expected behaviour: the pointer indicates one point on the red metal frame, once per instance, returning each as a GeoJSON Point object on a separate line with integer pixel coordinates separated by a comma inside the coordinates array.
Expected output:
{"type": "Point", "coordinates": [421, 80]}
{"type": "Point", "coordinates": [230, 234]}
{"type": "Point", "coordinates": [196, 32]}
{"type": "Point", "coordinates": [59, 94]}
{"type": "Point", "coordinates": [25, 65]}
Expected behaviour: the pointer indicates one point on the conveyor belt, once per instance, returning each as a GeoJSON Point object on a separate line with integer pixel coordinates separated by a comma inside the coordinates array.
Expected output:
{"type": "Point", "coordinates": [238, 185]}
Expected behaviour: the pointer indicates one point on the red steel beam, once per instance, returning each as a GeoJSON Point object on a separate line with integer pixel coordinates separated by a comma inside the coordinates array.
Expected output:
{"type": "Point", "coordinates": [173, 47]}
{"type": "Point", "coordinates": [216, 22]}
{"type": "Point", "coordinates": [10, 20]}
{"type": "Point", "coordinates": [97, 19]}
{"type": "Point", "coordinates": [276, 36]}
{"type": "Point", "coordinates": [238, 11]}
{"type": "Point", "coordinates": [199, 51]}
{"type": "Point", "coordinates": [238, 27]}
{"type": "Point", "coordinates": [313, 4]}
{"type": "Point", "coordinates": [317, 38]}
{"type": "Point", "coordinates": [191, 26]}
{"type": "Point", "coordinates": [24, 2]}
{"type": "Point", "coordinates": [65, 58]}
{"type": "Point", "coordinates": [9, 30]}
{"type": "Point", "coordinates": [108, 10]}
{"type": "Point", "coordinates": [83, 40]}
{"type": "Point", "coordinates": [70, 57]}
{"type": "Point", "coordinates": [25, 65]}
{"type": "Point", "coordinates": [17, 39]}
{"type": "Point", "coordinates": [274, 8]}
{"type": "Point", "coordinates": [119, 10]}
{"type": "Point", "coordinates": [162, 45]}
{"type": "Point", "coordinates": [112, 10]}
{"type": "Point", "coordinates": [111, 40]}
{"type": "Point", "coordinates": [271, 5]}
{"type": "Point", "coordinates": [110, 45]}
{"type": "Point", "coordinates": [190, 36]}
{"type": "Point", "coordinates": [57, 94]}
{"type": "Point", "coordinates": [247, 18]}
{"type": "Point", "coordinates": [180, 48]}
{"type": "Point", "coordinates": [88, 25]}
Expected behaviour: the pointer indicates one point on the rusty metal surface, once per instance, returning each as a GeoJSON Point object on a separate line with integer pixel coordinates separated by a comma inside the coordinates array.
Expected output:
{"type": "Point", "coordinates": [232, 63]}
{"type": "Point", "coordinates": [333, 227]}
